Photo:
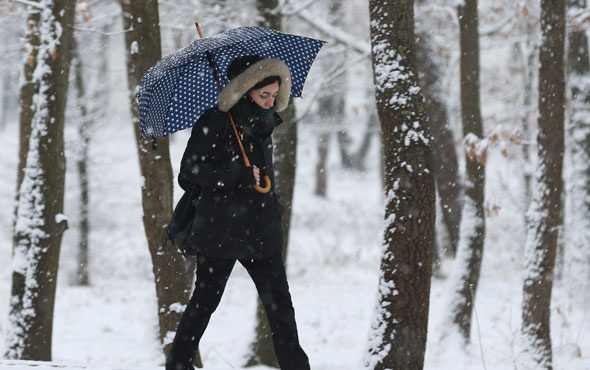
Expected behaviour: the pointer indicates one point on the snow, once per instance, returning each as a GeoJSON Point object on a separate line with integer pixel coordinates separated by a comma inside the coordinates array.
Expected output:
{"type": "Point", "coordinates": [333, 265]}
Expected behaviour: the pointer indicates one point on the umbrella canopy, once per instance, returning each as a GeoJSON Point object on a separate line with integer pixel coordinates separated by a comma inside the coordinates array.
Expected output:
{"type": "Point", "coordinates": [176, 90]}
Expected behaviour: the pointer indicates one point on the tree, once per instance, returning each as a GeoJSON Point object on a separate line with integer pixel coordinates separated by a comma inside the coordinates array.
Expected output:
{"type": "Point", "coordinates": [579, 132]}
{"type": "Point", "coordinates": [331, 111]}
{"type": "Point", "coordinates": [445, 164]}
{"type": "Point", "coordinates": [546, 204]}
{"type": "Point", "coordinates": [472, 232]}
{"type": "Point", "coordinates": [27, 90]}
{"type": "Point", "coordinates": [285, 159]}
{"type": "Point", "coordinates": [82, 277]}
{"type": "Point", "coordinates": [398, 332]}
{"type": "Point", "coordinates": [527, 50]}
{"type": "Point", "coordinates": [40, 222]}
{"type": "Point", "coordinates": [91, 104]}
{"type": "Point", "coordinates": [143, 44]}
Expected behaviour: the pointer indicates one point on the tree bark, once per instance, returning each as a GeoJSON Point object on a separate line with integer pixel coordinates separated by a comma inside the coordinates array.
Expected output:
{"type": "Point", "coordinates": [27, 90]}
{"type": "Point", "coordinates": [472, 234]}
{"type": "Point", "coordinates": [546, 204]}
{"type": "Point", "coordinates": [398, 331]}
{"type": "Point", "coordinates": [172, 286]}
{"type": "Point", "coordinates": [40, 222]}
{"type": "Point", "coordinates": [445, 163]}
{"type": "Point", "coordinates": [578, 250]}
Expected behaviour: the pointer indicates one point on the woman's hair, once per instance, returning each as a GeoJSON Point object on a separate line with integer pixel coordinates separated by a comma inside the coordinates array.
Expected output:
{"type": "Point", "coordinates": [267, 81]}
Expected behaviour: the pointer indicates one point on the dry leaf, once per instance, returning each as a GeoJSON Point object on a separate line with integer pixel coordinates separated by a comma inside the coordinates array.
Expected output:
{"type": "Point", "coordinates": [53, 52]}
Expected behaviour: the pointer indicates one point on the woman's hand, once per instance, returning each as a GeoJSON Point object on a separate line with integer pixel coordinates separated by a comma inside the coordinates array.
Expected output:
{"type": "Point", "coordinates": [256, 171]}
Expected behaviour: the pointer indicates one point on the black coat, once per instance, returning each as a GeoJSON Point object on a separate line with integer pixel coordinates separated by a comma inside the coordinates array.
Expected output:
{"type": "Point", "coordinates": [232, 219]}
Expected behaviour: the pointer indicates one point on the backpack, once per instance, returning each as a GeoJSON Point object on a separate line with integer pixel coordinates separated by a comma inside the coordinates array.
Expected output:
{"type": "Point", "coordinates": [179, 227]}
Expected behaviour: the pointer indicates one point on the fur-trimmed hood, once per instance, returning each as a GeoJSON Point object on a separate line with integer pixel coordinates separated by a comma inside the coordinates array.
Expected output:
{"type": "Point", "coordinates": [255, 73]}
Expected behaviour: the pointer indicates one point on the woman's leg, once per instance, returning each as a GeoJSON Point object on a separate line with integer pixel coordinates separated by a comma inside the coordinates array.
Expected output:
{"type": "Point", "coordinates": [212, 275]}
{"type": "Point", "coordinates": [271, 282]}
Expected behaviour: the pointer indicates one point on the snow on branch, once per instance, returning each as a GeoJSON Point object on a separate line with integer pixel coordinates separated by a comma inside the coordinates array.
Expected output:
{"type": "Point", "coordinates": [288, 10]}
{"type": "Point", "coordinates": [95, 30]}
{"type": "Point", "coordinates": [333, 32]}
{"type": "Point", "coordinates": [29, 3]}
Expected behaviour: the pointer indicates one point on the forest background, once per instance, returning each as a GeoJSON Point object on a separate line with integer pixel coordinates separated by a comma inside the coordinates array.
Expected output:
{"type": "Point", "coordinates": [106, 308]}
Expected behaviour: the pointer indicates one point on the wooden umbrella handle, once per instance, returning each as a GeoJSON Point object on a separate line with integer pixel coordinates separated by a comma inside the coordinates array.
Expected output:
{"type": "Point", "coordinates": [265, 189]}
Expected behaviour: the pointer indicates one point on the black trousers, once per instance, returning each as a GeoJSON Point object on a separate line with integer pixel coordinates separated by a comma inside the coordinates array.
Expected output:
{"type": "Point", "coordinates": [270, 279]}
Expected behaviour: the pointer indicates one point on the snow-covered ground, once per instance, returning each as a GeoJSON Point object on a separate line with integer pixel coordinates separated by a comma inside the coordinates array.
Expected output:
{"type": "Point", "coordinates": [332, 265]}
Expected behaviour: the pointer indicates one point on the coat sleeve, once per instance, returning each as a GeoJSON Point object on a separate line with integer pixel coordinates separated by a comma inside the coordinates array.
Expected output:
{"type": "Point", "coordinates": [203, 163]}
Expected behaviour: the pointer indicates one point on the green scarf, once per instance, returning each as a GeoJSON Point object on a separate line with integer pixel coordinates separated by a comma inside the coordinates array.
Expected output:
{"type": "Point", "coordinates": [262, 121]}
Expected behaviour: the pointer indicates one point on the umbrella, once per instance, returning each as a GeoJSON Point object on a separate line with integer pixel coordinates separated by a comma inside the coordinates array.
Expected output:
{"type": "Point", "coordinates": [176, 90]}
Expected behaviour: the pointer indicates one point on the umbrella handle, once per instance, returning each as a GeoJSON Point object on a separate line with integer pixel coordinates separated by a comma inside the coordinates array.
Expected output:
{"type": "Point", "coordinates": [267, 181]}
{"type": "Point", "coordinates": [265, 189]}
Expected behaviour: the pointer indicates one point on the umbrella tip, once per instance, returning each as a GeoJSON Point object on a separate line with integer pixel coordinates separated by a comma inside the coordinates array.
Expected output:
{"type": "Point", "coordinates": [199, 29]}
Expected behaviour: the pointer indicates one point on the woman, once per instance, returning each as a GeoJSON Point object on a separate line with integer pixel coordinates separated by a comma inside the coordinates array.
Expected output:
{"type": "Point", "coordinates": [235, 222]}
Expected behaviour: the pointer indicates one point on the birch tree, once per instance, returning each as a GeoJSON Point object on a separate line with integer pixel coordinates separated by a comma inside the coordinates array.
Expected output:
{"type": "Point", "coordinates": [578, 250]}
{"type": "Point", "coordinates": [143, 45]}
{"type": "Point", "coordinates": [544, 212]}
{"type": "Point", "coordinates": [397, 337]}
{"type": "Point", "coordinates": [472, 231]}
{"type": "Point", "coordinates": [40, 222]}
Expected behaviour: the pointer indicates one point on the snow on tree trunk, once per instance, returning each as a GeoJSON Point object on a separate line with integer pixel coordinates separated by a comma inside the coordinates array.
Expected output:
{"type": "Point", "coordinates": [172, 286]}
{"type": "Point", "coordinates": [467, 266]}
{"type": "Point", "coordinates": [397, 338]}
{"type": "Point", "coordinates": [544, 212]}
{"type": "Point", "coordinates": [578, 248]}
{"type": "Point", "coordinates": [27, 91]}
{"type": "Point", "coordinates": [40, 222]}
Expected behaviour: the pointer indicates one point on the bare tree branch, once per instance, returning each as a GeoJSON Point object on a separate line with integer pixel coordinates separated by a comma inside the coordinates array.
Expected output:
{"type": "Point", "coordinates": [333, 32]}
{"type": "Point", "coordinates": [29, 3]}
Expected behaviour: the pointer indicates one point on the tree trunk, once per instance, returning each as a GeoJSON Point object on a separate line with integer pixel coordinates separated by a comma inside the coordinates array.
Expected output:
{"type": "Point", "coordinates": [546, 204]}
{"type": "Point", "coordinates": [40, 222]}
{"type": "Point", "coordinates": [28, 88]}
{"type": "Point", "coordinates": [360, 156]}
{"type": "Point", "coordinates": [527, 50]}
{"type": "Point", "coordinates": [91, 103]}
{"type": "Point", "coordinates": [5, 100]}
{"type": "Point", "coordinates": [285, 158]}
{"type": "Point", "coordinates": [82, 276]}
{"type": "Point", "coordinates": [472, 234]}
{"type": "Point", "coordinates": [578, 249]}
{"type": "Point", "coordinates": [321, 177]}
{"type": "Point", "coordinates": [445, 163]}
{"type": "Point", "coordinates": [172, 288]}
{"type": "Point", "coordinates": [398, 331]}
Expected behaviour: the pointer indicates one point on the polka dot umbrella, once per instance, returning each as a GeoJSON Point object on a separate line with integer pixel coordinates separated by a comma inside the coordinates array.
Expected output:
{"type": "Point", "coordinates": [176, 90]}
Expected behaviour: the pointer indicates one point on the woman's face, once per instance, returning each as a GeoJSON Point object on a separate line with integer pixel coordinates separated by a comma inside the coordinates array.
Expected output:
{"type": "Point", "coordinates": [266, 95]}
